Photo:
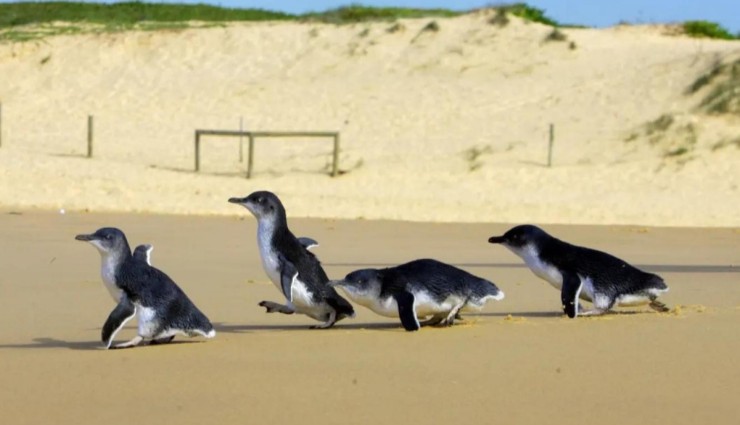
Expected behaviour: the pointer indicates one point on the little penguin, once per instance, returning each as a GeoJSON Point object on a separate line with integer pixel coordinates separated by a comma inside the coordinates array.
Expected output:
{"type": "Point", "coordinates": [418, 289]}
{"type": "Point", "coordinates": [579, 272]}
{"type": "Point", "coordinates": [295, 271]}
{"type": "Point", "coordinates": [161, 307]}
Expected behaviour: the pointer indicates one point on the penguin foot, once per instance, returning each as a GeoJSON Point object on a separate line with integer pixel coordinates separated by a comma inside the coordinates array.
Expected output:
{"type": "Point", "coordinates": [659, 306]}
{"type": "Point", "coordinates": [329, 322]}
{"type": "Point", "coordinates": [164, 340]}
{"type": "Point", "coordinates": [434, 321]}
{"type": "Point", "coordinates": [273, 307]}
{"type": "Point", "coordinates": [592, 312]}
{"type": "Point", "coordinates": [130, 344]}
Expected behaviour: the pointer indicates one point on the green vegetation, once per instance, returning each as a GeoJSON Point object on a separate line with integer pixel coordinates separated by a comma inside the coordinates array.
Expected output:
{"type": "Point", "coordinates": [529, 13]}
{"type": "Point", "coordinates": [724, 80]}
{"type": "Point", "coordinates": [356, 13]}
{"type": "Point", "coordinates": [122, 14]}
{"type": "Point", "coordinates": [707, 29]}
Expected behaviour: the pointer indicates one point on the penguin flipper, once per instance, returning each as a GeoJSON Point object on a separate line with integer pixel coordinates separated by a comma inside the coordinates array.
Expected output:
{"type": "Point", "coordinates": [308, 243]}
{"type": "Point", "coordinates": [288, 273]}
{"type": "Point", "coordinates": [144, 253]}
{"type": "Point", "coordinates": [406, 311]}
{"type": "Point", "coordinates": [124, 311]}
{"type": "Point", "coordinates": [569, 294]}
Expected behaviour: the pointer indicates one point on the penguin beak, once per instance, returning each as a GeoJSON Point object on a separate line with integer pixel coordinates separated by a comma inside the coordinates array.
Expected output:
{"type": "Point", "coordinates": [86, 238]}
{"type": "Point", "coordinates": [335, 283]}
{"type": "Point", "coordinates": [497, 239]}
{"type": "Point", "coordinates": [239, 201]}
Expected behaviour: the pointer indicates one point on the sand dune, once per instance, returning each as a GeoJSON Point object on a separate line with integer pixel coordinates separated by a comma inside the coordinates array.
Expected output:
{"type": "Point", "coordinates": [436, 126]}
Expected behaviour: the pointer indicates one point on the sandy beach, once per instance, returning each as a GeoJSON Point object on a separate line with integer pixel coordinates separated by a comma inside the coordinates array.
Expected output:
{"type": "Point", "coordinates": [444, 143]}
{"type": "Point", "coordinates": [443, 126]}
{"type": "Point", "coordinates": [518, 361]}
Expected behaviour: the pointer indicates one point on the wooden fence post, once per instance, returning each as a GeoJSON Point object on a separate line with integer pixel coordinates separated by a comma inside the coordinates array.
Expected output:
{"type": "Point", "coordinates": [250, 155]}
{"type": "Point", "coordinates": [89, 136]}
{"type": "Point", "coordinates": [335, 160]}
{"type": "Point", "coordinates": [549, 147]}
{"type": "Point", "coordinates": [197, 151]}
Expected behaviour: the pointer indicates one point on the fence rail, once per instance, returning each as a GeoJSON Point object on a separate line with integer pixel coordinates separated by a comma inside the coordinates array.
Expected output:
{"type": "Point", "coordinates": [252, 135]}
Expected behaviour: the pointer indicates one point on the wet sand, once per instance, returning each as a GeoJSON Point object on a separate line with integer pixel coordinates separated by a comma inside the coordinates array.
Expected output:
{"type": "Point", "coordinates": [518, 361]}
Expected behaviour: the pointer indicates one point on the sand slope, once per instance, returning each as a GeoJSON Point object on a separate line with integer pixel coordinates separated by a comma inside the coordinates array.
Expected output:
{"type": "Point", "coordinates": [436, 126]}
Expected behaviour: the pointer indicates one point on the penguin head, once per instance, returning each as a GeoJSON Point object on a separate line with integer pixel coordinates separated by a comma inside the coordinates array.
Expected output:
{"type": "Point", "coordinates": [144, 253]}
{"type": "Point", "coordinates": [262, 204]}
{"type": "Point", "coordinates": [520, 237]}
{"type": "Point", "coordinates": [108, 240]}
{"type": "Point", "coordinates": [361, 285]}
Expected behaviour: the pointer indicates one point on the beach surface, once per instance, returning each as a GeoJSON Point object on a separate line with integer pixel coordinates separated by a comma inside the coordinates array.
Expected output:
{"type": "Point", "coordinates": [449, 125]}
{"type": "Point", "coordinates": [518, 361]}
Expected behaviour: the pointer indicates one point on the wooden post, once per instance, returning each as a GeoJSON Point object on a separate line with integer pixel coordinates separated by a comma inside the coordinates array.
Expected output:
{"type": "Point", "coordinates": [335, 161]}
{"type": "Point", "coordinates": [250, 156]}
{"type": "Point", "coordinates": [241, 140]}
{"type": "Point", "coordinates": [89, 136]}
{"type": "Point", "coordinates": [197, 151]}
{"type": "Point", "coordinates": [549, 148]}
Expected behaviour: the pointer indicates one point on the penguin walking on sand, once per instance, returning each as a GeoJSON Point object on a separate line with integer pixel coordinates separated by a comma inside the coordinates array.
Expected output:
{"type": "Point", "coordinates": [295, 271]}
{"type": "Point", "coordinates": [583, 273]}
{"type": "Point", "coordinates": [161, 307]}
{"type": "Point", "coordinates": [419, 289]}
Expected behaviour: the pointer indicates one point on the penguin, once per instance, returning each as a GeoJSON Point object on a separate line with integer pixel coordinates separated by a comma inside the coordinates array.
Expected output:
{"type": "Point", "coordinates": [161, 307]}
{"type": "Point", "coordinates": [418, 289]}
{"type": "Point", "coordinates": [295, 271]}
{"type": "Point", "coordinates": [583, 273]}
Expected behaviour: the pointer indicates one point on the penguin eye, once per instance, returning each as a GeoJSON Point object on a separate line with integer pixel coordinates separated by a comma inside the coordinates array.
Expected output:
{"type": "Point", "coordinates": [109, 236]}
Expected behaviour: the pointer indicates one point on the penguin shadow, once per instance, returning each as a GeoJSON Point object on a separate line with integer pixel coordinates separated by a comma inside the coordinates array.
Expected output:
{"type": "Point", "coordinates": [240, 328]}
{"type": "Point", "coordinates": [40, 343]}
{"type": "Point", "coordinates": [549, 314]}
{"type": "Point", "coordinates": [528, 314]}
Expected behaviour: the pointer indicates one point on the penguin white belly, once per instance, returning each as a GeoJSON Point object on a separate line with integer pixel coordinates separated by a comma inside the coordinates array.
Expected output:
{"type": "Point", "coordinates": [426, 305]}
{"type": "Point", "coordinates": [270, 261]}
{"type": "Point", "coordinates": [587, 289]}
{"type": "Point", "coordinates": [108, 274]}
{"type": "Point", "coordinates": [385, 307]}
{"type": "Point", "coordinates": [477, 304]}
{"type": "Point", "coordinates": [542, 269]}
{"type": "Point", "coordinates": [147, 318]}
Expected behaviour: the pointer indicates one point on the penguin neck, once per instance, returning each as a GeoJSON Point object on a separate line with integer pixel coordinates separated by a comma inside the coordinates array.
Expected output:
{"type": "Point", "coordinates": [110, 264]}
{"type": "Point", "coordinates": [271, 227]}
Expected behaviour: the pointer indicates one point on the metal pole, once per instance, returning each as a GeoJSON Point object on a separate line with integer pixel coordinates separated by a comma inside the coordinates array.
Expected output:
{"type": "Point", "coordinates": [89, 136]}
{"type": "Point", "coordinates": [250, 156]}
{"type": "Point", "coordinates": [197, 151]}
{"type": "Point", "coordinates": [241, 138]}
{"type": "Point", "coordinates": [335, 162]}
{"type": "Point", "coordinates": [549, 148]}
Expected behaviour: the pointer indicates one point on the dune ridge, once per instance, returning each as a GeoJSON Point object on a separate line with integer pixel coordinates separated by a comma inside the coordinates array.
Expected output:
{"type": "Point", "coordinates": [445, 125]}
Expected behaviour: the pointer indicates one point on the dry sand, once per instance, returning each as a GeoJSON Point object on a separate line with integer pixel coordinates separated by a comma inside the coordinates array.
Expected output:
{"type": "Point", "coordinates": [519, 361]}
{"type": "Point", "coordinates": [446, 126]}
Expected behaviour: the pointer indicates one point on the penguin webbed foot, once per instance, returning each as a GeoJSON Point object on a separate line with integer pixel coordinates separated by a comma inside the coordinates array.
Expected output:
{"type": "Point", "coordinates": [592, 312]}
{"type": "Point", "coordinates": [330, 321]}
{"type": "Point", "coordinates": [128, 344]}
{"type": "Point", "coordinates": [659, 306]}
{"type": "Point", "coordinates": [161, 341]}
{"type": "Point", "coordinates": [273, 307]}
